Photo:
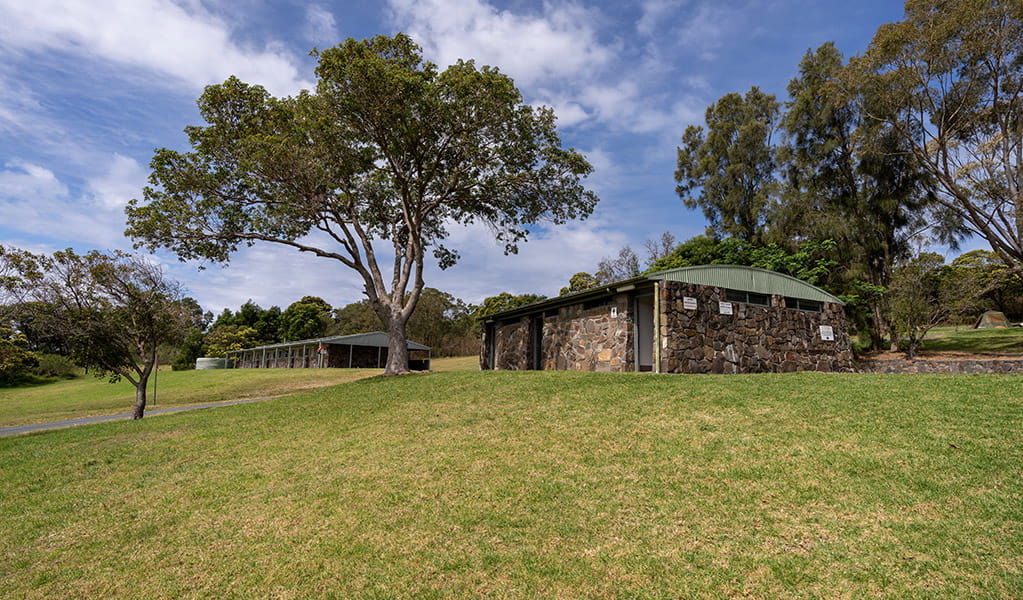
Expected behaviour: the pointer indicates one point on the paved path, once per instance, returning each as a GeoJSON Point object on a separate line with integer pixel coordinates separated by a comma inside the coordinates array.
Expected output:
{"type": "Point", "coordinates": [5, 431]}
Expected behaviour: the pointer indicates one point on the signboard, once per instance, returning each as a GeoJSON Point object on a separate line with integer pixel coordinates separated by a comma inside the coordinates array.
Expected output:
{"type": "Point", "coordinates": [689, 303]}
{"type": "Point", "coordinates": [725, 308]}
{"type": "Point", "coordinates": [827, 333]}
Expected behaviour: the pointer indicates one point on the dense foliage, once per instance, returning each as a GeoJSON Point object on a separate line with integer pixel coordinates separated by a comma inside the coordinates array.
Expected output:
{"type": "Point", "coordinates": [380, 160]}
{"type": "Point", "coordinates": [112, 311]}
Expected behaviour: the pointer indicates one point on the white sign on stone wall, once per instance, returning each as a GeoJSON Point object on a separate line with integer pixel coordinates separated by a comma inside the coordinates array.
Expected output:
{"type": "Point", "coordinates": [725, 308]}
{"type": "Point", "coordinates": [689, 303]}
{"type": "Point", "coordinates": [827, 333]}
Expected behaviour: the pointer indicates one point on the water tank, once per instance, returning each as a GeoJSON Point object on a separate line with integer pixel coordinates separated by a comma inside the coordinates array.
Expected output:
{"type": "Point", "coordinates": [211, 363]}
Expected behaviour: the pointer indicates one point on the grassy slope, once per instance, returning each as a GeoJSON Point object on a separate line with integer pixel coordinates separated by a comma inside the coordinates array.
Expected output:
{"type": "Point", "coordinates": [88, 396]}
{"type": "Point", "coordinates": [527, 485]}
{"type": "Point", "coordinates": [1003, 340]}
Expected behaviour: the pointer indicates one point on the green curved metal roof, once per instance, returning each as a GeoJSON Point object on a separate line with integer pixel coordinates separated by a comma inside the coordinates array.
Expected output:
{"type": "Point", "coordinates": [748, 279]}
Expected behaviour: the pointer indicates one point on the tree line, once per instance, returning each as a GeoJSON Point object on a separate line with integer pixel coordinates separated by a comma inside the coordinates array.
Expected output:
{"type": "Point", "coordinates": [445, 323]}
{"type": "Point", "coordinates": [918, 139]}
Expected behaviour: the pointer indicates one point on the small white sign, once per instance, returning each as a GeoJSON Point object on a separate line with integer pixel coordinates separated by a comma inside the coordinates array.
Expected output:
{"type": "Point", "coordinates": [689, 303]}
{"type": "Point", "coordinates": [725, 308]}
{"type": "Point", "coordinates": [614, 312]}
{"type": "Point", "coordinates": [827, 333]}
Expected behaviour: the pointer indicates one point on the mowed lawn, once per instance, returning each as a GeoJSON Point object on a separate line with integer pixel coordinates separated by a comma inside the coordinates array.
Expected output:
{"type": "Point", "coordinates": [535, 485]}
{"type": "Point", "coordinates": [1001, 340]}
{"type": "Point", "coordinates": [87, 396]}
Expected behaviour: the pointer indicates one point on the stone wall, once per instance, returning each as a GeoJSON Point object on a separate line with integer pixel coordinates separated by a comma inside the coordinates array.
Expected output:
{"type": "Point", "coordinates": [581, 339]}
{"type": "Point", "coordinates": [574, 338]}
{"type": "Point", "coordinates": [513, 351]}
{"type": "Point", "coordinates": [754, 339]}
{"type": "Point", "coordinates": [940, 366]}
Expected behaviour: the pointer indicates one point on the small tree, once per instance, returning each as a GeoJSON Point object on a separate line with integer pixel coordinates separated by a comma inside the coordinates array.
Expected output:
{"type": "Point", "coordinates": [915, 301]}
{"type": "Point", "coordinates": [228, 338]}
{"type": "Point", "coordinates": [306, 318]}
{"type": "Point", "coordinates": [114, 310]}
{"type": "Point", "coordinates": [579, 282]}
{"type": "Point", "coordinates": [388, 152]}
{"type": "Point", "coordinates": [16, 361]}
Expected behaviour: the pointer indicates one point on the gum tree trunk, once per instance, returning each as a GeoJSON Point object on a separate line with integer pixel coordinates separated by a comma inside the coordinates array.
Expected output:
{"type": "Point", "coordinates": [397, 348]}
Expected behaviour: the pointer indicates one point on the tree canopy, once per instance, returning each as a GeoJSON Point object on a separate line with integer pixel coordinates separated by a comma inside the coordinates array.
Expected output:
{"type": "Point", "coordinates": [375, 165]}
{"type": "Point", "coordinates": [948, 80]}
{"type": "Point", "coordinates": [728, 170]}
{"type": "Point", "coordinates": [113, 310]}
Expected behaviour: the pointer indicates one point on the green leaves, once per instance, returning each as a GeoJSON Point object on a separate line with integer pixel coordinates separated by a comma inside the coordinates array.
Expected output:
{"type": "Point", "coordinates": [728, 169]}
{"type": "Point", "coordinates": [948, 80]}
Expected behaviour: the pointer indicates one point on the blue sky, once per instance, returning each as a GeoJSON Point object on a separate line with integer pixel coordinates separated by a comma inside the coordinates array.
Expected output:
{"type": "Point", "coordinates": [89, 88]}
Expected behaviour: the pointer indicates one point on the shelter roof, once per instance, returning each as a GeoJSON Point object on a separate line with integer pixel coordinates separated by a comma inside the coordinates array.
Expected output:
{"type": "Point", "coordinates": [375, 339]}
{"type": "Point", "coordinates": [735, 277]}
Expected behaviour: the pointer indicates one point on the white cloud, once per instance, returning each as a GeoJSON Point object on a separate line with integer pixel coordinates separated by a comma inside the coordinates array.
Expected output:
{"type": "Point", "coordinates": [22, 180]}
{"type": "Point", "coordinates": [187, 44]}
{"type": "Point", "coordinates": [655, 14]}
{"type": "Point", "coordinates": [123, 180]}
{"type": "Point", "coordinates": [562, 42]}
{"type": "Point", "coordinates": [320, 26]}
{"type": "Point", "coordinates": [35, 203]}
{"type": "Point", "coordinates": [542, 266]}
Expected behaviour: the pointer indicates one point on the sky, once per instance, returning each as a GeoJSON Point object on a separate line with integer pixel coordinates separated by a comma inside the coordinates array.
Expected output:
{"type": "Point", "coordinates": [88, 90]}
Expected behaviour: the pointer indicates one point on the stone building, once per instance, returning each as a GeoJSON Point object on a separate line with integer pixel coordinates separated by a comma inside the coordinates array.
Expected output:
{"type": "Point", "coordinates": [706, 319]}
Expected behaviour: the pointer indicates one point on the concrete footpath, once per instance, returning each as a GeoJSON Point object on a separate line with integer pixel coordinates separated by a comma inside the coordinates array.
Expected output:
{"type": "Point", "coordinates": [16, 429]}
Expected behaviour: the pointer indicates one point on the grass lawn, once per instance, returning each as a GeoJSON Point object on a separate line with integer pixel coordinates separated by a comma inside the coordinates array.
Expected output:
{"type": "Point", "coordinates": [88, 396]}
{"type": "Point", "coordinates": [535, 485]}
{"type": "Point", "coordinates": [1000, 341]}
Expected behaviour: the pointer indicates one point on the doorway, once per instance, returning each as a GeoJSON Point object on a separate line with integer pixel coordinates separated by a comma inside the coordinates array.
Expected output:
{"type": "Point", "coordinates": [644, 338]}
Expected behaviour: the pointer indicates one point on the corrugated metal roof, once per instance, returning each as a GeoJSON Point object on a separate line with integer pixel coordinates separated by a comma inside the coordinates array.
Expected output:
{"type": "Point", "coordinates": [747, 279]}
{"type": "Point", "coordinates": [735, 277]}
{"type": "Point", "coordinates": [375, 339]}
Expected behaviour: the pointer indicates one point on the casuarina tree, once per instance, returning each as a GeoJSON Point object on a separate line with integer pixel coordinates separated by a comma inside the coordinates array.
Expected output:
{"type": "Point", "coordinates": [377, 164]}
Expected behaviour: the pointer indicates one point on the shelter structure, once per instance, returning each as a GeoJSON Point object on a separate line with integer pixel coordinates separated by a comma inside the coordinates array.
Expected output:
{"type": "Point", "coordinates": [359, 351]}
{"type": "Point", "coordinates": [704, 319]}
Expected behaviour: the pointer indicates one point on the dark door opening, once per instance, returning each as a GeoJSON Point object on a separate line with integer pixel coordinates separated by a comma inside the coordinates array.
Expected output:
{"type": "Point", "coordinates": [536, 343]}
{"type": "Point", "coordinates": [644, 338]}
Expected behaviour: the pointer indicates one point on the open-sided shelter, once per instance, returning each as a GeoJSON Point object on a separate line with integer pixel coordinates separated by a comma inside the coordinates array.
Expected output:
{"type": "Point", "coordinates": [358, 351]}
{"type": "Point", "coordinates": [704, 319]}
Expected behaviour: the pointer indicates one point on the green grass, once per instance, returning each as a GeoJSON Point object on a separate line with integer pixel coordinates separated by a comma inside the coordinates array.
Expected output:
{"type": "Point", "coordinates": [88, 396]}
{"type": "Point", "coordinates": [998, 341]}
{"type": "Point", "coordinates": [535, 485]}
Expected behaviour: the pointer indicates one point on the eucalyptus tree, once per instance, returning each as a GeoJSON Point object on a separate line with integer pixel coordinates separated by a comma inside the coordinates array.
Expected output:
{"type": "Point", "coordinates": [948, 80]}
{"type": "Point", "coordinates": [377, 164]}
{"type": "Point", "coordinates": [729, 169]}
{"type": "Point", "coordinates": [112, 310]}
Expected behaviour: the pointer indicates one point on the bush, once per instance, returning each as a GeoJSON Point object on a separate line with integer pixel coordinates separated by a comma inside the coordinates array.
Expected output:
{"type": "Point", "coordinates": [16, 361]}
{"type": "Point", "coordinates": [57, 366]}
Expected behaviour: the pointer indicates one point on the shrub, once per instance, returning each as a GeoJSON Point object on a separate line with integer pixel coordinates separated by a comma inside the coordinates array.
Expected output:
{"type": "Point", "coordinates": [57, 366]}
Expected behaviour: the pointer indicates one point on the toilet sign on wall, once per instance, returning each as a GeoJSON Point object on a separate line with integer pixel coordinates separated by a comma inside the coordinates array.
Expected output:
{"type": "Point", "coordinates": [827, 333]}
{"type": "Point", "coordinates": [689, 303]}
